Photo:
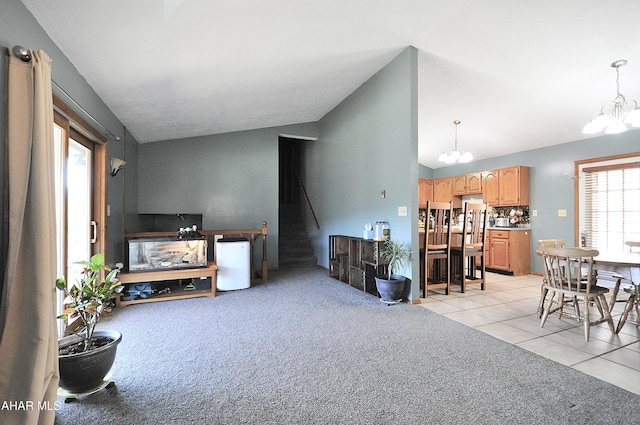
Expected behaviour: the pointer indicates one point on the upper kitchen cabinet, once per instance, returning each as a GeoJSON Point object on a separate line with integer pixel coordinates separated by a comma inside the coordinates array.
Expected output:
{"type": "Point", "coordinates": [425, 192]}
{"type": "Point", "coordinates": [506, 186]}
{"type": "Point", "coordinates": [468, 184]}
{"type": "Point", "coordinates": [443, 192]}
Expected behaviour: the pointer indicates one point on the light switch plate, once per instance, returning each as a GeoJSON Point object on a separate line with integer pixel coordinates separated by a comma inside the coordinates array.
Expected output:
{"type": "Point", "coordinates": [402, 211]}
{"type": "Point", "coordinates": [562, 213]}
{"type": "Point", "coordinates": [534, 213]}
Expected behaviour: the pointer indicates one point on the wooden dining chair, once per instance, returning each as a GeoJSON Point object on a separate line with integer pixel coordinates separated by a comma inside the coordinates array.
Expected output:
{"type": "Point", "coordinates": [569, 273]}
{"type": "Point", "coordinates": [634, 296]}
{"type": "Point", "coordinates": [464, 265]}
{"type": "Point", "coordinates": [560, 243]}
{"type": "Point", "coordinates": [437, 252]}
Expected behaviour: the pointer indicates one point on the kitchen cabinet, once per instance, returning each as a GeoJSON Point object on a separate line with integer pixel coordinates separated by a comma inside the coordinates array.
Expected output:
{"type": "Point", "coordinates": [509, 251]}
{"type": "Point", "coordinates": [506, 186]}
{"type": "Point", "coordinates": [443, 192]}
{"type": "Point", "coordinates": [513, 185]}
{"type": "Point", "coordinates": [467, 184]}
{"type": "Point", "coordinates": [490, 193]}
{"type": "Point", "coordinates": [425, 192]}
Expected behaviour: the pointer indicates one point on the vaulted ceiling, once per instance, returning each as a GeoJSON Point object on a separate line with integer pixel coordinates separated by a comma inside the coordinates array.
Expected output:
{"type": "Point", "coordinates": [518, 74]}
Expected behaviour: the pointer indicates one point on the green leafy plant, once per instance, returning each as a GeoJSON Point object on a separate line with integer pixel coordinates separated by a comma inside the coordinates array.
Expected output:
{"type": "Point", "coordinates": [396, 255]}
{"type": "Point", "coordinates": [89, 296]}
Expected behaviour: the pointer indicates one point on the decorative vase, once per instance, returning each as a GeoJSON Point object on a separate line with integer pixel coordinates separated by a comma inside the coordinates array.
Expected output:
{"type": "Point", "coordinates": [83, 372]}
{"type": "Point", "coordinates": [390, 290]}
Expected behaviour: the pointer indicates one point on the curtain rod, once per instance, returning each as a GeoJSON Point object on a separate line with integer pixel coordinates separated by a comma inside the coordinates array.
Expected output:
{"type": "Point", "coordinates": [84, 111]}
{"type": "Point", "coordinates": [24, 55]}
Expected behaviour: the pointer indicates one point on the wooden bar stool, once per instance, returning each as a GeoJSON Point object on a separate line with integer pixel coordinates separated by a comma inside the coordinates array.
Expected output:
{"type": "Point", "coordinates": [437, 252]}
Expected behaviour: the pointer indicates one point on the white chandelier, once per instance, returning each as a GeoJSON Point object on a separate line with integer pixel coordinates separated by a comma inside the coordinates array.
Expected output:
{"type": "Point", "coordinates": [456, 155]}
{"type": "Point", "coordinates": [613, 119]}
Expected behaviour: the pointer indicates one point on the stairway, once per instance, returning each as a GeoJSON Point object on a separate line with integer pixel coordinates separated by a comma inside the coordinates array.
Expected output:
{"type": "Point", "coordinates": [294, 246]}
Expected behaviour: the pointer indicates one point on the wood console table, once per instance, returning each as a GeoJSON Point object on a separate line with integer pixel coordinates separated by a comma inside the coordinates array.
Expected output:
{"type": "Point", "coordinates": [156, 276]}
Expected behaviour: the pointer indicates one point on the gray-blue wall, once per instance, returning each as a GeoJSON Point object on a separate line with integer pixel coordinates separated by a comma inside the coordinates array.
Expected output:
{"type": "Point", "coordinates": [231, 179]}
{"type": "Point", "coordinates": [368, 144]}
{"type": "Point", "coordinates": [551, 180]}
{"type": "Point", "coordinates": [19, 27]}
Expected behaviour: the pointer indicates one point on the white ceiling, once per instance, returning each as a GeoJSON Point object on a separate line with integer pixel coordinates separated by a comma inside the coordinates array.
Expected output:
{"type": "Point", "coordinates": [518, 74]}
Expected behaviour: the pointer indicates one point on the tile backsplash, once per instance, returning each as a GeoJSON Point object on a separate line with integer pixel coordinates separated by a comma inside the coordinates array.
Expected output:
{"type": "Point", "coordinates": [495, 211]}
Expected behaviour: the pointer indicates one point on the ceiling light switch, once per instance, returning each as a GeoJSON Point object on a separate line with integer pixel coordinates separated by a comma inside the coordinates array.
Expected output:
{"type": "Point", "coordinates": [562, 213]}
{"type": "Point", "coordinates": [402, 211]}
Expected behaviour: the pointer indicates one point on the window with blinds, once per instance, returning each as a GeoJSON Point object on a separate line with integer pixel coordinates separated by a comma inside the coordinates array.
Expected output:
{"type": "Point", "coordinates": [610, 203]}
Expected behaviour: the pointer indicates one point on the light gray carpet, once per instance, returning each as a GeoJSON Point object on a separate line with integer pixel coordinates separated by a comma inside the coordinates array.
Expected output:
{"type": "Point", "coordinates": [307, 349]}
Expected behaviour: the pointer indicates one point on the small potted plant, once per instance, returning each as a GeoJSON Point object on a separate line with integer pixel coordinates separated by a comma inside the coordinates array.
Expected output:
{"type": "Point", "coordinates": [86, 356]}
{"type": "Point", "coordinates": [390, 286]}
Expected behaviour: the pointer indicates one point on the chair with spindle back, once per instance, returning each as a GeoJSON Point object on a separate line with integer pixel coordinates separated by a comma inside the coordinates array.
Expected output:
{"type": "Point", "coordinates": [569, 272]}
{"type": "Point", "coordinates": [437, 252]}
{"type": "Point", "coordinates": [464, 257]}
{"type": "Point", "coordinates": [543, 290]}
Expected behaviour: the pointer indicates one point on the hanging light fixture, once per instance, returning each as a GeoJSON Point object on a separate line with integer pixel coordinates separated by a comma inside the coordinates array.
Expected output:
{"type": "Point", "coordinates": [456, 155]}
{"type": "Point", "coordinates": [613, 119]}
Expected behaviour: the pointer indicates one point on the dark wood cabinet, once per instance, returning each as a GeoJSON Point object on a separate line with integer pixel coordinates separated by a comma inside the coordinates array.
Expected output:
{"type": "Point", "coordinates": [356, 261]}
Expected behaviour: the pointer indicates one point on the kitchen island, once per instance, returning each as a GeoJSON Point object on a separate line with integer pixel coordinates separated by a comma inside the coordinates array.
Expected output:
{"type": "Point", "coordinates": [507, 249]}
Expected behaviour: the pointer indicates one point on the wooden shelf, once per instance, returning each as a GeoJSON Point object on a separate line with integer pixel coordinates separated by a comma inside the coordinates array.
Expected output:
{"type": "Point", "coordinates": [170, 275]}
{"type": "Point", "coordinates": [356, 261]}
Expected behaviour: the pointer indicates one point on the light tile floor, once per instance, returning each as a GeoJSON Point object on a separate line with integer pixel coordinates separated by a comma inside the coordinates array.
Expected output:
{"type": "Point", "coordinates": [507, 310]}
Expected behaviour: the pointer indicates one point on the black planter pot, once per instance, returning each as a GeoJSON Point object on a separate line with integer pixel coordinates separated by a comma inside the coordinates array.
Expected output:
{"type": "Point", "coordinates": [83, 372]}
{"type": "Point", "coordinates": [390, 290]}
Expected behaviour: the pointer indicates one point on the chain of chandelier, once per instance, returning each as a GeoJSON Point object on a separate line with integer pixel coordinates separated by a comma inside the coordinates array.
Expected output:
{"type": "Point", "coordinates": [616, 118]}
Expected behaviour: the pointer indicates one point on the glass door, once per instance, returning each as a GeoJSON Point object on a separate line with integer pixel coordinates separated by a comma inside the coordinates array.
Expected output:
{"type": "Point", "coordinates": [81, 228]}
{"type": "Point", "coordinates": [74, 186]}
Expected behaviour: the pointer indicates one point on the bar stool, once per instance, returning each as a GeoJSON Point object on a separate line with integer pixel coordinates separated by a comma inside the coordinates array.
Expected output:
{"type": "Point", "coordinates": [465, 269]}
{"type": "Point", "coordinates": [437, 250]}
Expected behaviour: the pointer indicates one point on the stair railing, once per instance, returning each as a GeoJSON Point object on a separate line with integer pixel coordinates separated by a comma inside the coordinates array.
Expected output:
{"type": "Point", "coordinates": [308, 202]}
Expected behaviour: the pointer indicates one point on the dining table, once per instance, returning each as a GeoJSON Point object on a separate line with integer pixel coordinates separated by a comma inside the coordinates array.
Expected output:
{"type": "Point", "coordinates": [627, 265]}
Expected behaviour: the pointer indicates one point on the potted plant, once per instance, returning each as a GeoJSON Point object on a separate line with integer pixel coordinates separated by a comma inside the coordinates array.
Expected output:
{"type": "Point", "coordinates": [391, 286]}
{"type": "Point", "coordinates": [86, 356]}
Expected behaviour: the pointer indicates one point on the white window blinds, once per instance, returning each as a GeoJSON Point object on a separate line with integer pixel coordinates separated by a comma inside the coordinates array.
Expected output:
{"type": "Point", "coordinates": [611, 201]}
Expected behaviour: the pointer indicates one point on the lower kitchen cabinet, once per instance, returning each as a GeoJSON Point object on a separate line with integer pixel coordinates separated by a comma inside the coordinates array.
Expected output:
{"type": "Point", "coordinates": [509, 251]}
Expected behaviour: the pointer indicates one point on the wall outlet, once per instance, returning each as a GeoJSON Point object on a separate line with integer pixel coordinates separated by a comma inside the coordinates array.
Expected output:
{"type": "Point", "coordinates": [562, 213]}
{"type": "Point", "coordinates": [402, 211]}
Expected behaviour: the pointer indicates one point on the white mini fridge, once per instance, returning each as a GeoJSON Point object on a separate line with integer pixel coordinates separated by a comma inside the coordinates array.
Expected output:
{"type": "Point", "coordinates": [233, 257]}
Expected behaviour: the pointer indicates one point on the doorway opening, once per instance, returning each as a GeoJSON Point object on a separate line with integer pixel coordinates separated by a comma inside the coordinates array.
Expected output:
{"type": "Point", "coordinates": [294, 246]}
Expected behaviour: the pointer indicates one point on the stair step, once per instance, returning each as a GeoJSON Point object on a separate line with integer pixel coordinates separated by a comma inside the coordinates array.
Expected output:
{"type": "Point", "coordinates": [294, 244]}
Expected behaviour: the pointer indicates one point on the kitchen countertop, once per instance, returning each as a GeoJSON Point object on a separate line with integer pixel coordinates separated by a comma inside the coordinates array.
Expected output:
{"type": "Point", "coordinates": [457, 229]}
